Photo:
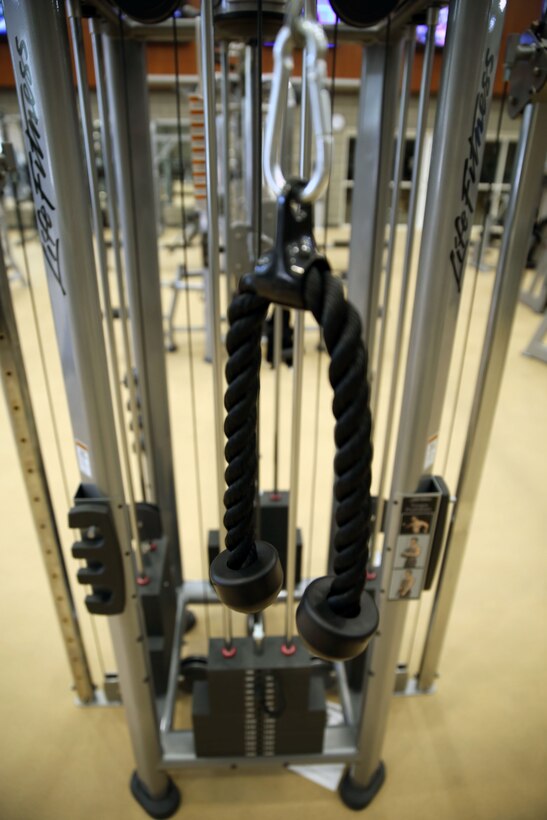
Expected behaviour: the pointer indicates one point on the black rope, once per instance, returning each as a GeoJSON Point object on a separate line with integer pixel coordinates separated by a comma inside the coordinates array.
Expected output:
{"type": "Point", "coordinates": [313, 489]}
{"type": "Point", "coordinates": [324, 296]}
{"type": "Point", "coordinates": [245, 315]}
{"type": "Point", "coordinates": [352, 435]}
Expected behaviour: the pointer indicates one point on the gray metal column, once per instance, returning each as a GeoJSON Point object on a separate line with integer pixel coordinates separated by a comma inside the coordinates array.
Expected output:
{"type": "Point", "coordinates": [474, 34]}
{"type": "Point", "coordinates": [525, 191]}
{"type": "Point", "coordinates": [372, 174]}
{"type": "Point", "coordinates": [130, 132]}
{"type": "Point", "coordinates": [112, 201]}
{"type": "Point", "coordinates": [23, 424]}
{"type": "Point", "coordinates": [408, 62]}
{"type": "Point", "coordinates": [38, 42]}
{"type": "Point", "coordinates": [82, 79]}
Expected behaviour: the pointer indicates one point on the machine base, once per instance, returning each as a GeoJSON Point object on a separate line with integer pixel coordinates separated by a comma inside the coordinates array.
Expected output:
{"type": "Point", "coordinates": [159, 807]}
{"type": "Point", "coordinates": [358, 797]}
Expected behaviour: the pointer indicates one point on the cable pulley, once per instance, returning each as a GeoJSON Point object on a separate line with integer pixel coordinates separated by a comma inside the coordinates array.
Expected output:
{"type": "Point", "coordinates": [335, 618]}
{"type": "Point", "coordinates": [148, 11]}
{"type": "Point", "coordinates": [365, 13]}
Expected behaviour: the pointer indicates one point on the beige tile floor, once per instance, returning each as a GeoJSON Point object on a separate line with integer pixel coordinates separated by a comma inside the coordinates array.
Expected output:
{"type": "Point", "coordinates": [477, 748]}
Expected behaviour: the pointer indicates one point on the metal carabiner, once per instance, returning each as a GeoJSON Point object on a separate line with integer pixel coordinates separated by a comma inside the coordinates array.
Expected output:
{"type": "Point", "coordinates": [291, 34]}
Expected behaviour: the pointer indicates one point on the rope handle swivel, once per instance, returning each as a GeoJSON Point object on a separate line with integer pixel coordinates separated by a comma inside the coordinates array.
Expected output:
{"type": "Point", "coordinates": [298, 31]}
{"type": "Point", "coordinates": [335, 617]}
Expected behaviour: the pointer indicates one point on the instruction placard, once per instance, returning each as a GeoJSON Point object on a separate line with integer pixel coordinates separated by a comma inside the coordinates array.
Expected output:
{"type": "Point", "coordinates": [415, 534]}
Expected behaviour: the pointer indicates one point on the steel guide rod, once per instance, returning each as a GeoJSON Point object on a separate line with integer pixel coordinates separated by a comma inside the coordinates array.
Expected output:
{"type": "Point", "coordinates": [38, 40]}
{"type": "Point", "coordinates": [310, 12]}
{"type": "Point", "coordinates": [525, 193]}
{"type": "Point", "coordinates": [277, 354]}
{"type": "Point", "coordinates": [249, 132]}
{"type": "Point", "coordinates": [110, 182]}
{"type": "Point", "coordinates": [380, 76]}
{"type": "Point", "coordinates": [86, 117]}
{"type": "Point", "coordinates": [410, 49]}
{"type": "Point", "coordinates": [125, 64]}
{"type": "Point", "coordinates": [157, 174]}
{"type": "Point", "coordinates": [278, 310]}
{"type": "Point", "coordinates": [256, 142]}
{"type": "Point", "coordinates": [22, 418]}
{"type": "Point", "coordinates": [421, 128]}
{"type": "Point", "coordinates": [225, 158]}
{"type": "Point", "coordinates": [253, 91]}
{"type": "Point", "coordinates": [209, 104]}
{"type": "Point", "coordinates": [473, 41]}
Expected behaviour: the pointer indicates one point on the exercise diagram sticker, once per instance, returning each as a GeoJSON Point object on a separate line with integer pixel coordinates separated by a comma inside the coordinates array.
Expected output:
{"type": "Point", "coordinates": [412, 547]}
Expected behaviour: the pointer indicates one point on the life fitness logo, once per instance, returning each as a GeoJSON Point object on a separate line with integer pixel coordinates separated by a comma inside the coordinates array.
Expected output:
{"type": "Point", "coordinates": [45, 208]}
{"type": "Point", "coordinates": [471, 171]}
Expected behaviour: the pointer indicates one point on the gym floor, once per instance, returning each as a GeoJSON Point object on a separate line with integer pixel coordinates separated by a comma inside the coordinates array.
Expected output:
{"type": "Point", "coordinates": [474, 749]}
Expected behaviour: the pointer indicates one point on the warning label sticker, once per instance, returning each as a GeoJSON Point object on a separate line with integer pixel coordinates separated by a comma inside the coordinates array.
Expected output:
{"type": "Point", "coordinates": [84, 462]}
{"type": "Point", "coordinates": [431, 451]}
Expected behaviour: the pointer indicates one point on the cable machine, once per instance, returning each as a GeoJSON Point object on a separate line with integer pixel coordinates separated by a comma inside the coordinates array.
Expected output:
{"type": "Point", "coordinates": [260, 693]}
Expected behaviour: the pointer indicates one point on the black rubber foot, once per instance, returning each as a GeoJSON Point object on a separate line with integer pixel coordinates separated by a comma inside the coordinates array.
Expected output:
{"type": "Point", "coordinates": [358, 797]}
{"type": "Point", "coordinates": [159, 807]}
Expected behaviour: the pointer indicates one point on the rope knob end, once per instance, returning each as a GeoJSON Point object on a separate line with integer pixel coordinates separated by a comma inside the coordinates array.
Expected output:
{"type": "Point", "coordinates": [251, 588]}
{"type": "Point", "coordinates": [331, 636]}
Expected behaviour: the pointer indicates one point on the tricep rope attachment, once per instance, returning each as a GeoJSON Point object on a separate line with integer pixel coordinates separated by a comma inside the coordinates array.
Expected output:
{"type": "Point", "coordinates": [335, 618]}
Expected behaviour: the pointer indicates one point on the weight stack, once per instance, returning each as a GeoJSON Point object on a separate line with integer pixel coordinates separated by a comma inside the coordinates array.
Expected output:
{"type": "Point", "coordinates": [259, 705]}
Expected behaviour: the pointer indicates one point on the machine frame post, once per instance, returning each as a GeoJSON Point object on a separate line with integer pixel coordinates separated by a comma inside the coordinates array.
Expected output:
{"type": "Point", "coordinates": [474, 28]}
{"type": "Point", "coordinates": [525, 192]}
{"type": "Point", "coordinates": [38, 41]}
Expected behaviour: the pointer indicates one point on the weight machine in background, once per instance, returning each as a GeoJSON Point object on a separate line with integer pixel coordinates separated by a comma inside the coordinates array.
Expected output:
{"type": "Point", "coordinates": [126, 507]}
